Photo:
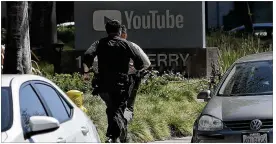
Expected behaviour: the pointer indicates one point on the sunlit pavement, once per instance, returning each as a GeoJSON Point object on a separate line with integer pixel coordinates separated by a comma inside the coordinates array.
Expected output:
{"type": "Point", "coordinates": [200, 100]}
{"type": "Point", "coordinates": [176, 140]}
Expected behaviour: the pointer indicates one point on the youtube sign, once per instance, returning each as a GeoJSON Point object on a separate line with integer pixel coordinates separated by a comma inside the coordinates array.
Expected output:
{"type": "Point", "coordinates": [100, 17]}
{"type": "Point", "coordinates": [152, 20]}
{"type": "Point", "coordinates": [167, 24]}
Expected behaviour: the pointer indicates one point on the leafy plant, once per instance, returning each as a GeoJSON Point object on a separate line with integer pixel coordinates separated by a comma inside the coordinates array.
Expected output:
{"type": "Point", "coordinates": [66, 34]}
{"type": "Point", "coordinates": [232, 48]}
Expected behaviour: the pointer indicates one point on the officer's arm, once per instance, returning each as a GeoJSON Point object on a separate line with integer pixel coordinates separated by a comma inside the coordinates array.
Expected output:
{"type": "Point", "coordinates": [135, 56]}
{"type": "Point", "coordinates": [89, 56]}
{"type": "Point", "coordinates": [145, 58]}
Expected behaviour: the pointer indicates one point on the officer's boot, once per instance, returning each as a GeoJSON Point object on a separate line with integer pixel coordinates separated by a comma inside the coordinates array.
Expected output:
{"type": "Point", "coordinates": [112, 140]}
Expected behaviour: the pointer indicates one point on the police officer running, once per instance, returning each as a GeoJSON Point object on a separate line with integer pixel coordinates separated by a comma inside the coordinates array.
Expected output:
{"type": "Point", "coordinates": [135, 77]}
{"type": "Point", "coordinates": [114, 54]}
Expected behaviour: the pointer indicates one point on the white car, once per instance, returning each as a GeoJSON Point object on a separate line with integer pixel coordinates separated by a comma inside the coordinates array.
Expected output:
{"type": "Point", "coordinates": [34, 109]}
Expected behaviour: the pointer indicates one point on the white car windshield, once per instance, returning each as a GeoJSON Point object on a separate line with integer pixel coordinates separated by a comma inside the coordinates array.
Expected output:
{"type": "Point", "coordinates": [249, 78]}
{"type": "Point", "coordinates": [6, 109]}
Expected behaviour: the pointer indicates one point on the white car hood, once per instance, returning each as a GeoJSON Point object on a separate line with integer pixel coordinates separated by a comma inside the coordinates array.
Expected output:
{"type": "Point", "coordinates": [4, 136]}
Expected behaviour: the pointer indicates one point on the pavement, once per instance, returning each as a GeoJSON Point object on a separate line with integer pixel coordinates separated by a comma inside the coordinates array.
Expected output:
{"type": "Point", "coordinates": [200, 100]}
{"type": "Point", "coordinates": [176, 140]}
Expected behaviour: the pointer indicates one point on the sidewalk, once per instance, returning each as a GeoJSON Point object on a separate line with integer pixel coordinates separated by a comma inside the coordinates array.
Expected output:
{"type": "Point", "coordinates": [176, 140]}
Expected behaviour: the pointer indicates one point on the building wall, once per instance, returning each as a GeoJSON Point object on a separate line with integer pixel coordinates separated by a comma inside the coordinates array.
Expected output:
{"type": "Point", "coordinates": [3, 14]}
{"type": "Point", "coordinates": [216, 12]}
{"type": "Point", "coordinates": [262, 12]}
{"type": "Point", "coordinates": [3, 9]}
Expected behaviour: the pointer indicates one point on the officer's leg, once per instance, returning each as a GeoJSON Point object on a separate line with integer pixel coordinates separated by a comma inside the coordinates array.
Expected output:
{"type": "Point", "coordinates": [106, 98]}
{"type": "Point", "coordinates": [123, 127]}
{"type": "Point", "coordinates": [135, 82]}
{"type": "Point", "coordinates": [110, 115]}
{"type": "Point", "coordinates": [128, 111]}
{"type": "Point", "coordinates": [118, 128]}
{"type": "Point", "coordinates": [131, 88]}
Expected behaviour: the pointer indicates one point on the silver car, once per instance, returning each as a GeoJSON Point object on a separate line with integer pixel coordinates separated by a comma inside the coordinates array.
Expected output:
{"type": "Point", "coordinates": [239, 109]}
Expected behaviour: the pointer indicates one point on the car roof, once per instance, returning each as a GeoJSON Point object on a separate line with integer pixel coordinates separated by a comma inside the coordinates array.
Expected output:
{"type": "Point", "coordinates": [256, 57]}
{"type": "Point", "coordinates": [265, 25]}
{"type": "Point", "coordinates": [7, 78]}
{"type": "Point", "coordinates": [17, 80]}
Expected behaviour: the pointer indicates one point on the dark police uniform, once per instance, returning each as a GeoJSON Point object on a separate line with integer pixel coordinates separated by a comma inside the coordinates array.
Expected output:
{"type": "Point", "coordinates": [114, 54]}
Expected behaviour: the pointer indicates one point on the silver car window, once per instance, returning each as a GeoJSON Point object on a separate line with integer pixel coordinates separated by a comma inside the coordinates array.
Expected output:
{"type": "Point", "coordinates": [249, 78]}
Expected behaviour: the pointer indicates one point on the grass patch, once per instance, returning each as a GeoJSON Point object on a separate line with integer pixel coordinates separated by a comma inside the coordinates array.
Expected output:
{"type": "Point", "coordinates": [158, 115]}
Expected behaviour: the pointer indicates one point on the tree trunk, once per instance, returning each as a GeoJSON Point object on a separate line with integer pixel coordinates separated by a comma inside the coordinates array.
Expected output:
{"type": "Point", "coordinates": [249, 22]}
{"type": "Point", "coordinates": [53, 24]}
{"type": "Point", "coordinates": [43, 28]}
{"type": "Point", "coordinates": [36, 29]}
{"type": "Point", "coordinates": [49, 24]}
{"type": "Point", "coordinates": [17, 52]}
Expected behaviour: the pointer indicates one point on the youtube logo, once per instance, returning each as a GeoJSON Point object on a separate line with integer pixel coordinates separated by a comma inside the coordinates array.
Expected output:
{"type": "Point", "coordinates": [154, 19]}
{"type": "Point", "coordinates": [101, 17]}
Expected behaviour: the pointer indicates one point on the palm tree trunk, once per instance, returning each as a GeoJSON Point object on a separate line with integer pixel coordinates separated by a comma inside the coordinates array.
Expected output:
{"type": "Point", "coordinates": [43, 28]}
{"type": "Point", "coordinates": [17, 52]}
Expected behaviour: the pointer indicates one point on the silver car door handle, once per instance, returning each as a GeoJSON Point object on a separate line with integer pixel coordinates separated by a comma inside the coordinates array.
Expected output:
{"type": "Point", "coordinates": [84, 130]}
{"type": "Point", "coordinates": [61, 140]}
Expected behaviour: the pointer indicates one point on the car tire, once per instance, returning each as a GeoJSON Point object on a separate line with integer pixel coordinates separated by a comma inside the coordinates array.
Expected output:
{"type": "Point", "coordinates": [194, 140]}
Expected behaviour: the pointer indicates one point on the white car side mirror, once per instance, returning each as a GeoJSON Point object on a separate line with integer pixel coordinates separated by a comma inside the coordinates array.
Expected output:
{"type": "Point", "coordinates": [43, 123]}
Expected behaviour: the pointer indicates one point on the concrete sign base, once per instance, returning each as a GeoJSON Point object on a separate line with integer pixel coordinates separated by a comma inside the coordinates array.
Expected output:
{"type": "Point", "coordinates": [191, 62]}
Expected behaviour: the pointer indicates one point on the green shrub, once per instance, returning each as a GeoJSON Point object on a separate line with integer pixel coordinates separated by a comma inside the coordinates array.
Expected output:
{"type": "Point", "coordinates": [164, 112]}
{"type": "Point", "coordinates": [67, 35]}
{"type": "Point", "coordinates": [160, 113]}
{"type": "Point", "coordinates": [71, 82]}
{"type": "Point", "coordinates": [46, 68]}
{"type": "Point", "coordinates": [152, 85]}
{"type": "Point", "coordinates": [232, 48]}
